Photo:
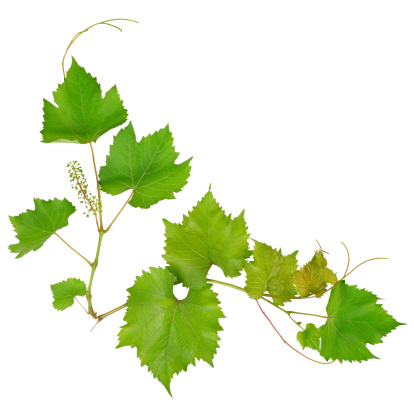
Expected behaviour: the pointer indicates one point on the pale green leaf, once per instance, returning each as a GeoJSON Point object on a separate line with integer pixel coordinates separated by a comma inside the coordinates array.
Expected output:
{"type": "Point", "coordinates": [170, 334]}
{"type": "Point", "coordinates": [271, 271]}
{"type": "Point", "coordinates": [206, 237]}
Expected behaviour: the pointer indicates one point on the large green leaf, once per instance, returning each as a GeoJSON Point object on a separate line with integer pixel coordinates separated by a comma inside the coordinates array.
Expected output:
{"type": "Point", "coordinates": [271, 271]}
{"type": "Point", "coordinates": [64, 292]}
{"type": "Point", "coordinates": [314, 275]}
{"type": "Point", "coordinates": [354, 320]}
{"type": "Point", "coordinates": [206, 237]}
{"type": "Point", "coordinates": [170, 334]}
{"type": "Point", "coordinates": [34, 227]}
{"type": "Point", "coordinates": [81, 115]}
{"type": "Point", "coordinates": [147, 167]}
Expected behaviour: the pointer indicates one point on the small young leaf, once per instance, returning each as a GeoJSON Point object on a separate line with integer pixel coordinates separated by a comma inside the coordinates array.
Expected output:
{"type": "Point", "coordinates": [170, 334]}
{"type": "Point", "coordinates": [310, 337]}
{"type": "Point", "coordinates": [354, 320]}
{"type": "Point", "coordinates": [313, 277]}
{"type": "Point", "coordinates": [34, 227]}
{"type": "Point", "coordinates": [64, 292]}
{"type": "Point", "coordinates": [206, 237]}
{"type": "Point", "coordinates": [146, 167]}
{"type": "Point", "coordinates": [271, 271]}
{"type": "Point", "coordinates": [82, 115]}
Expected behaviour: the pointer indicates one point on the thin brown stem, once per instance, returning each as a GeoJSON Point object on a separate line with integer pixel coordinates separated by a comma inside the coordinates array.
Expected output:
{"type": "Point", "coordinates": [349, 258]}
{"type": "Point", "coordinates": [81, 305]}
{"type": "Point", "coordinates": [105, 22]}
{"type": "Point", "coordinates": [285, 311]}
{"type": "Point", "coordinates": [287, 343]}
{"type": "Point", "coordinates": [120, 211]}
{"type": "Point", "coordinates": [356, 267]}
{"type": "Point", "coordinates": [321, 247]}
{"type": "Point", "coordinates": [375, 258]}
{"type": "Point", "coordinates": [70, 247]}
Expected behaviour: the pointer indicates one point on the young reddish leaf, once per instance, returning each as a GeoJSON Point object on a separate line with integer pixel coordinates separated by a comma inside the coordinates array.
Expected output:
{"type": "Point", "coordinates": [314, 275]}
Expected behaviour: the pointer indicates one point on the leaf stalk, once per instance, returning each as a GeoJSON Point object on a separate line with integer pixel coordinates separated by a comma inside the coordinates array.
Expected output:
{"type": "Point", "coordinates": [70, 247]}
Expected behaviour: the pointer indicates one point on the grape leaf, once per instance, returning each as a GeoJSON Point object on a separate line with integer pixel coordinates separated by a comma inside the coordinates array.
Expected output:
{"type": "Point", "coordinates": [271, 271]}
{"type": "Point", "coordinates": [65, 292]}
{"type": "Point", "coordinates": [206, 237]}
{"type": "Point", "coordinates": [310, 337]}
{"type": "Point", "coordinates": [146, 167]}
{"type": "Point", "coordinates": [170, 334]}
{"type": "Point", "coordinates": [81, 115]}
{"type": "Point", "coordinates": [354, 320]}
{"type": "Point", "coordinates": [314, 275]}
{"type": "Point", "coordinates": [34, 227]}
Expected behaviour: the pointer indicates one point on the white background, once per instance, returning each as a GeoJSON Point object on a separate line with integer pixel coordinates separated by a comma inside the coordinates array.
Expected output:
{"type": "Point", "coordinates": [300, 112]}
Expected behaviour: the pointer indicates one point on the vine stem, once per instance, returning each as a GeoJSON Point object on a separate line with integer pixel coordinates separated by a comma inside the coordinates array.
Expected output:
{"type": "Point", "coordinates": [286, 312]}
{"type": "Point", "coordinates": [104, 315]}
{"type": "Point", "coordinates": [279, 307]}
{"type": "Point", "coordinates": [120, 211]}
{"type": "Point", "coordinates": [94, 266]}
{"type": "Point", "coordinates": [287, 343]}
{"type": "Point", "coordinates": [70, 247]}
{"type": "Point", "coordinates": [218, 282]}
{"type": "Point", "coordinates": [105, 22]}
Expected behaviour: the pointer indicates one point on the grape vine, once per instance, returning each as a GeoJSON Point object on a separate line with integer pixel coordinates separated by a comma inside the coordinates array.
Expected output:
{"type": "Point", "coordinates": [170, 334]}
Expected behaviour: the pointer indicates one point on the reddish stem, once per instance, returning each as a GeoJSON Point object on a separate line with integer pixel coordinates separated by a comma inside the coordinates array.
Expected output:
{"type": "Point", "coordinates": [283, 339]}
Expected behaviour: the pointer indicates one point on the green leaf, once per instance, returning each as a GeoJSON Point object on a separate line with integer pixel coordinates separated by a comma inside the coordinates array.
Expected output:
{"type": "Point", "coordinates": [310, 337]}
{"type": "Point", "coordinates": [271, 271]}
{"type": "Point", "coordinates": [206, 237]}
{"type": "Point", "coordinates": [81, 115]}
{"type": "Point", "coordinates": [34, 227]}
{"type": "Point", "coordinates": [170, 334]}
{"type": "Point", "coordinates": [314, 275]}
{"type": "Point", "coordinates": [147, 167]}
{"type": "Point", "coordinates": [64, 292]}
{"type": "Point", "coordinates": [354, 320]}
